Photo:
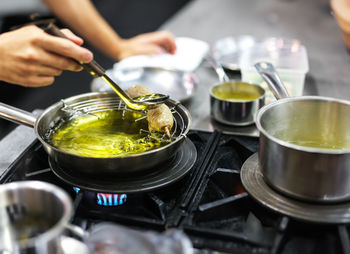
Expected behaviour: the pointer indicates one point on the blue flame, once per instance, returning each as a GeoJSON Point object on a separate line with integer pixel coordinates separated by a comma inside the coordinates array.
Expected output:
{"type": "Point", "coordinates": [111, 199]}
{"type": "Point", "coordinates": [105, 199]}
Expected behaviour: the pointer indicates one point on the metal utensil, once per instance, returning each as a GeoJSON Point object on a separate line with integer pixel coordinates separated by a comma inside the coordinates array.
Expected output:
{"type": "Point", "coordinates": [181, 85]}
{"type": "Point", "coordinates": [218, 69]}
{"type": "Point", "coordinates": [304, 147]}
{"type": "Point", "coordinates": [139, 103]}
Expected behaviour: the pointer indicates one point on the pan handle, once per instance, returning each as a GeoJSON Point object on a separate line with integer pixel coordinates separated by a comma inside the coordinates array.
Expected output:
{"type": "Point", "coordinates": [269, 74]}
{"type": "Point", "coordinates": [17, 115]}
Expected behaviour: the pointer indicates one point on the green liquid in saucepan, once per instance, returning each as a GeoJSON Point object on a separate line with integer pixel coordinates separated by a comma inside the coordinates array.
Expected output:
{"type": "Point", "coordinates": [319, 144]}
{"type": "Point", "coordinates": [314, 140]}
{"type": "Point", "coordinates": [237, 91]}
{"type": "Point", "coordinates": [105, 134]}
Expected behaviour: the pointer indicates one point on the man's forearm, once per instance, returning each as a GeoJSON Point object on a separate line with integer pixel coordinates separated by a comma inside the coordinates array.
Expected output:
{"type": "Point", "coordinates": [82, 16]}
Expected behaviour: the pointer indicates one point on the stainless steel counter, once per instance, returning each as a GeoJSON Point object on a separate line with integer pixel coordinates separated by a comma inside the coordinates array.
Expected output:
{"type": "Point", "coordinates": [309, 21]}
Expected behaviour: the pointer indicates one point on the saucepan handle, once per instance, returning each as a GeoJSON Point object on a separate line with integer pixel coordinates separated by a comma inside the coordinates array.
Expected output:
{"type": "Point", "coordinates": [269, 74]}
{"type": "Point", "coordinates": [17, 115]}
{"type": "Point", "coordinates": [218, 68]}
{"type": "Point", "coordinates": [76, 231]}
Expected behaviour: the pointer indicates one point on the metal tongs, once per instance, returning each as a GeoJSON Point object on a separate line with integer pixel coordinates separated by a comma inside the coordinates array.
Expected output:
{"type": "Point", "coordinates": [139, 103]}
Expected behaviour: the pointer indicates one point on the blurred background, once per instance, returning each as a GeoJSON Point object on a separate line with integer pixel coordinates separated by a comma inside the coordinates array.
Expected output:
{"type": "Point", "coordinates": [128, 18]}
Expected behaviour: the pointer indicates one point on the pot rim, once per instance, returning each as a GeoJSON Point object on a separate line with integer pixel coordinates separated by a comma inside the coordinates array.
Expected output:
{"type": "Point", "coordinates": [59, 227]}
{"type": "Point", "coordinates": [67, 100]}
{"type": "Point", "coordinates": [263, 92]}
{"type": "Point", "coordinates": [267, 107]}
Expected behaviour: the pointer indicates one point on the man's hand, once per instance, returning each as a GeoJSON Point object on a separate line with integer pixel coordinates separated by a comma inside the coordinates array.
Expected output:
{"type": "Point", "coordinates": [31, 57]}
{"type": "Point", "coordinates": [147, 43]}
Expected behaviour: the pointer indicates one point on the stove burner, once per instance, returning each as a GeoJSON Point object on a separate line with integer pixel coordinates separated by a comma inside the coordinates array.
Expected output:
{"type": "Point", "coordinates": [255, 185]}
{"type": "Point", "coordinates": [165, 174]}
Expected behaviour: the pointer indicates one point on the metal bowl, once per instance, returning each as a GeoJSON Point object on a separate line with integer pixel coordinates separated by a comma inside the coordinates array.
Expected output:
{"type": "Point", "coordinates": [236, 103]}
{"type": "Point", "coordinates": [180, 85]}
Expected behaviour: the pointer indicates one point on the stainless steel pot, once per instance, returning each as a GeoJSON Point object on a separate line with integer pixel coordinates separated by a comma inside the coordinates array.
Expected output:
{"type": "Point", "coordinates": [235, 112]}
{"type": "Point", "coordinates": [304, 144]}
{"type": "Point", "coordinates": [90, 103]}
{"type": "Point", "coordinates": [33, 216]}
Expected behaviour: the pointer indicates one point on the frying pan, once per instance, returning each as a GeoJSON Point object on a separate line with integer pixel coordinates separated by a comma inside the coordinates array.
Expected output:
{"type": "Point", "coordinates": [88, 104]}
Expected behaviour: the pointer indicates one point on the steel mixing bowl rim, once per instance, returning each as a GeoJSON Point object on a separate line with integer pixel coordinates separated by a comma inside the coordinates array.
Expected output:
{"type": "Point", "coordinates": [179, 138]}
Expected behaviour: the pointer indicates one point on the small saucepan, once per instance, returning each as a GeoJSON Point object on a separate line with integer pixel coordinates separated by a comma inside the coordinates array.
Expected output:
{"type": "Point", "coordinates": [235, 102]}
{"type": "Point", "coordinates": [304, 147]}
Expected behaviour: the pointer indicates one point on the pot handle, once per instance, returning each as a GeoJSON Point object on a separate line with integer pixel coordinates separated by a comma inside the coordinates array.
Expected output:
{"type": "Point", "coordinates": [218, 69]}
{"type": "Point", "coordinates": [76, 230]}
{"type": "Point", "coordinates": [269, 74]}
{"type": "Point", "coordinates": [78, 234]}
{"type": "Point", "coordinates": [17, 115]}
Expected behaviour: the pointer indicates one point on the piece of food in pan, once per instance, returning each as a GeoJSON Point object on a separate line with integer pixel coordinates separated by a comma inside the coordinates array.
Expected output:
{"type": "Point", "coordinates": [138, 90]}
{"type": "Point", "coordinates": [160, 118]}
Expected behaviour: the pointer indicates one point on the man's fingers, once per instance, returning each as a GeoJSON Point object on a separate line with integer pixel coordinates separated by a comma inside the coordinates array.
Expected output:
{"type": "Point", "coordinates": [167, 41]}
{"type": "Point", "coordinates": [163, 39]}
{"type": "Point", "coordinates": [60, 62]}
{"type": "Point", "coordinates": [34, 69]}
{"type": "Point", "coordinates": [72, 36]}
{"type": "Point", "coordinates": [38, 81]}
{"type": "Point", "coordinates": [45, 58]}
{"type": "Point", "coordinates": [67, 48]}
{"type": "Point", "coordinates": [43, 70]}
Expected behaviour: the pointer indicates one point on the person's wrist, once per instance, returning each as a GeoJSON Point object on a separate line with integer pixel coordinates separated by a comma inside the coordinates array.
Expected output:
{"type": "Point", "coordinates": [120, 49]}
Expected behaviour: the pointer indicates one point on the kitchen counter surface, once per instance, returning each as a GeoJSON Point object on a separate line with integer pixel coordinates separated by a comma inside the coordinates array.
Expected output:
{"type": "Point", "coordinates": [309, 21]}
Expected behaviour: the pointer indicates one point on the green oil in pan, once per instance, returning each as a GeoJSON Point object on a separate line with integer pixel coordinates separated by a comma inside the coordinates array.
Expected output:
{"type": "Point", "coordinates": [105, 134]}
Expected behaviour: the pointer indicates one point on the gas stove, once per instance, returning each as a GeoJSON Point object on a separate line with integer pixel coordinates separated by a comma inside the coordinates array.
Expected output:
{"type": "Point", "coordinates": [208, 202]}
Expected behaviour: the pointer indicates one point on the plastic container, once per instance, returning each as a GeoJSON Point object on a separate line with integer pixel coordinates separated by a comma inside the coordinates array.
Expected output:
{"type": "Point", "coordinates": [290, 60]}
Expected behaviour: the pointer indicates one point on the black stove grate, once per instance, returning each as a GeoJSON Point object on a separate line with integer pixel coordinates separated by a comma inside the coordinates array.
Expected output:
{"type": "Point", "coordinates": [209, 204]}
